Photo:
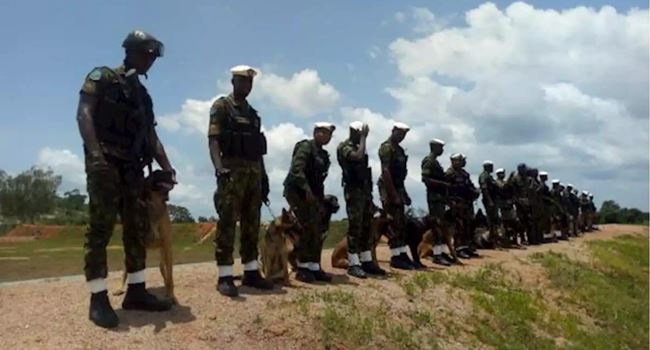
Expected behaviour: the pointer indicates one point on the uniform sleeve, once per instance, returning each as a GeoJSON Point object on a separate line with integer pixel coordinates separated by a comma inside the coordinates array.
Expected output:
{"type": "Point", "coordinates": [218, 115]}
{"type": "Point", "coordinates": [426, 168]}
{"type": "Point", "coordinates": [301, 155]}
{"type": "Point", "coordinates": [96, 81]}
{"type": "Point", "coordinates": [385, 155]}
{"type": "Point", "coordinates": [345, 150]}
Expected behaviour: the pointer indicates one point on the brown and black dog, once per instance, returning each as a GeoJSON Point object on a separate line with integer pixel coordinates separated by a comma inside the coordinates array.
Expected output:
{"type": "Point", "coordinates": [279, 240]}
{"type": "Point", "coordinates": [380, 227]}
{"type": "Point", "coordinates": [157, 187]}
{"type": "Point", "coordinates": [425, 247]}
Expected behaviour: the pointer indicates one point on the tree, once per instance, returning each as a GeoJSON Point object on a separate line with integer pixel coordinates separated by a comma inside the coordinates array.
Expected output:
{"type": "Point", "coordinates": [73, 201]}
{"type": "Point", "coordinates": [29, 194]}
{"type": "Point", "coordinates": [202, 219]}
{"type": "Point", "coordinates": [179, 214]}
{"type": "Point", "coordinates": [611, 212]}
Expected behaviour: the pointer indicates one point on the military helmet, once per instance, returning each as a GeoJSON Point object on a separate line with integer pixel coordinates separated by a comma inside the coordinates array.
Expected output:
{"type": "Point", "coordinates": [138, 40]}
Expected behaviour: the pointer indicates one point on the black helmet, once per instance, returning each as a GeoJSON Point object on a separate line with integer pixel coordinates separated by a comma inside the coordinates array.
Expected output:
{"type": "Point", "coordinates": [141, 41]}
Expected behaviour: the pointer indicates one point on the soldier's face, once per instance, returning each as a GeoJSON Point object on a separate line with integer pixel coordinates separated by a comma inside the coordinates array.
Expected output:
{"type": "Point", "coordinates": [142, 61]}
{"type": "Point", "coordinates": [489, 168]}
{"type": "Point", "coordinates": [437, 149]}
{"type": "Point", "coordinates": [456, 163]}
{"type": "Point", "coordinates": [322, 137]}
{"type": "Point", "coordinates": [399, 135]}
{"type": "Point", "coordinates": [501, 176]}
{"type": "Point", "coordinates": [242, 86]}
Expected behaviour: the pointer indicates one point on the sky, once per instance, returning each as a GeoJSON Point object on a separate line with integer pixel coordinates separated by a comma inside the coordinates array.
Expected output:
{"type": "Point", "coordinates": [559, 85]}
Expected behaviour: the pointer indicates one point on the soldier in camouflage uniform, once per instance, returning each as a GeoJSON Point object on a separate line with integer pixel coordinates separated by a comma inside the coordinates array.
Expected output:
{"type": "Point", "coordinates": [433, 176]}
{"type": "Point", "coordinates": [237, 146]}
{"type": "Point", "coordinates": [116, 121]}
{"type": "Point", "coordinates": [572, 207]}
{"type": "Point", "coordinates": [304, 189]}
{"type": "Point", "coordinates": [585, 209]}
{"type": "Point", "coordinates": [357, 188]}
{"type": "Point", "coordinates": [593, 212]}
{"type": "Point", "coordinates": [488, 192]}
{"type": "Point", "coordinates": [547, 208]}
{"type": "Point", "coordinates": [505, 202]}
{"type": "Point", "coordinates": [393, 193]}
{"type": "Point", "coordinates": [462, 194]}
{"type": "Point", "coordinates": [521, 185]}
{"type": "Point", "coordinates": [535, 236]}
{"type": "Point", "coordinates": [558, 215]}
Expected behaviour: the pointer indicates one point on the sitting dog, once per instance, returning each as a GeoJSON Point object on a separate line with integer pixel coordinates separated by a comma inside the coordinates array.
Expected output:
{"type": "Point", "coordinates": [157, 187]}
{"type": "Point", "coordinates": [425, 247]}
{"type": "Point", "coordinates": [381, 227]}
{"type": "Point", "coordinates": [279, 240]}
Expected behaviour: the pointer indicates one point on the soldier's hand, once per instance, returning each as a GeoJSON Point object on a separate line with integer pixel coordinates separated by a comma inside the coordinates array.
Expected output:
{"type": "Point", "coordinates": [365, 130]}
{"type": "Point", "coordinates": [223, 173]}
{"type": "Point", "coordinates": [97, 161]}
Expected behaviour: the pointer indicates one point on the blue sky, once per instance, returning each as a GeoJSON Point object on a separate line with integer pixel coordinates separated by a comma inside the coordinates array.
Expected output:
{"type": "Point", "coordinates": [372, 60]}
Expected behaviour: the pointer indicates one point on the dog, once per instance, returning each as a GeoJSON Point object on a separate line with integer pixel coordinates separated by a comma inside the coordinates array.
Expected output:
{"type": "Point", "coordinates": [380, 227]}
{"type": "Point", "coordinates": [279, 239]}
{"type": "Point", "coordinates": [157, 187]}
{"type": "Point", "coordinates": [425, 247]}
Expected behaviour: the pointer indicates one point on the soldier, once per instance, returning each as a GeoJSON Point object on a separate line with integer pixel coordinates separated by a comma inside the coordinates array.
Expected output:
{"type": "Point", "coordinates": [505, 203]}
{"type": "Point", "coordinates": [558, 215]}
{"type": "Point", "coordinates": [357, 188]}
{"type": "Point", "coordinates": [520, 185]}
{"type": "Point", "coordinates": [594, 210]}
{"type": "Point", "coordinates": [462, 194]}
{"type": "Point", "coordinates": [433, 177]}
{"type": "Point", "coordinates": [393, 193]}
{"type": "Point", "coordinates": [488, 192]}
{"type": "Point", "coordinates": [537, 207]}
{"type": "Point", "coordinates": [237, 147]}
{"type": "Point", "coordinates": [585, 208]}
{"type": "Point", "coordinates": [116, 122]}
{"type": "Point", "coordinates": [547, 203]}
{"type": "Point", "coordinates": [304, 189]}
{"type": "Point", "coordinates": [572, 209]}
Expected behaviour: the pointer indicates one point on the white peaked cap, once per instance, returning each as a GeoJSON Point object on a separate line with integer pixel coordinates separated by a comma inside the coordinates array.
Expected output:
{"type": "Point", "coordinates": [356, 125]}
{"type": "Point", "coordinates": [401, 126]}
{"type": "Point", "coordinates": [586, 193]}
{"type": "Point", "coordinates": [543, 173]}
{"type": "Point", "coordinates": [456, 156]}
{"type": "Point", "coordinates": [500, 170]}
{"type": "Point", "coordinates": [569, 185]}
{"type": "Point", "coordinates": [488, 162]}
{"type": "Point", "coordinates": [243, 70]}
{"type": "Point", "coordinates": [324, 125]}
{"type": "Point", "coordinates": [438, 142]}
{"type": "Point", "coordinates": [556, 181]}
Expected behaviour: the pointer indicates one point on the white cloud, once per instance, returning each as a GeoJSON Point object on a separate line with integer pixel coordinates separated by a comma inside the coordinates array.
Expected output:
{"type": "Point", "coordinates": [65, 163]}
{"type": "Point", "coordinates": [400, 17]}
{"type": "Point", "coordinates": [303, 93]}
{"type": "Point", "coordinates": [193, 117]}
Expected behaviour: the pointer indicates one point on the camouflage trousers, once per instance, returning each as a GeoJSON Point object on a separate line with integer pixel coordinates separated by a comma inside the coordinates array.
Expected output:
{"type": "Point", "coordinates": [525, 220]}
{"type": "Point", "coordinates": [399, 217]}
{"type": "Point", "coordinates": [509, 221]}
{"type": "Point", "coordinates": [358, 202]}
{"type": "Point", "coordinates": [436, 204]}
{"type": "Point", "coordinates": [115, 189]}
{"type": "Point", "coordinates": [309, 215]}
{"type": "Point", "coordinates": [492, 213]}
{"type": "Point", "coordinates": [463, 213]}
{"type": "Point", "coordinates": [238, 198]}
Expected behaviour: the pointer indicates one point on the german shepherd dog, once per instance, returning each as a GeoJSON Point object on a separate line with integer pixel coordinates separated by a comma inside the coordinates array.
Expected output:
{"type": "Point", "coordinates": [425, 247]}
{"type": "Point", "coordinates": [380, 227]}
{"type": "Point", "coordinates": [279, 240]}
{"type": "Point", "coordinates": [157, 187]}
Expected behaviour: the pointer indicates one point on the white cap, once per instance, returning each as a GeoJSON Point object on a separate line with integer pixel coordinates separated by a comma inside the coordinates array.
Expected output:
{"type": "Point", "coordinates": [456, 156]}
{"type": "Point", "coordinates": [401, 126]}
{"type": "Point", "coordinates": [591, 195]}
{"type": "Point", "coordinates": [543, 173]}
{"type": "Point", "coordinates": [463, 156]}
{"type": "Point", "coordinates": [500, 170]}
{"type": "Point", "coordinates": [555, 181]}
{"type": "Point", "coordinates": [488, 162]}
{"type": "Point", "coordinates": [569, 185]}
{"type": "Point", "coordinates": [324, 125]}
{"type": "Point", "coordinates": [586, 193]}
{"type": "Point", "coordinates": [356, 125]}
{"type": "Point", "coordinates": [437, 142]}
{"type": "Point", "coordinates": [243, 70]}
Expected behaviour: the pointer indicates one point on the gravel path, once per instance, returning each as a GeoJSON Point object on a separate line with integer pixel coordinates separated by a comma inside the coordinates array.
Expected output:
{"type": "Point", "coordinates": [52, 313]}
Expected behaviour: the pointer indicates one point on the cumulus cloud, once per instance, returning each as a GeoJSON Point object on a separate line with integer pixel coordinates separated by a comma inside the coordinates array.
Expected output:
{"type": "Point", "coordinates": [65, 163]}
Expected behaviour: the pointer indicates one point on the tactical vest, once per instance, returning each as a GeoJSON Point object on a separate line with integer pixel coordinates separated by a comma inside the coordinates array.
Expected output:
{"type": "Point", "coordinates": [438, 174]}
{"type": "Point", "coordinates": [124, 120]}
{"type": "Point", "coordinates": [241, 136]}
{"type": "Point", "coordinates": [317, 169]}
{"type": "Point", "coordinates": [356, 173]}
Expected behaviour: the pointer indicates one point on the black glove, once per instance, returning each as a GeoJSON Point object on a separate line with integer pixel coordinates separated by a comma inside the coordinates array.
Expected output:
{"type": "Point", "coordinates": [265, 188]}
{"type": "Point", "coordinates": [222, 173]}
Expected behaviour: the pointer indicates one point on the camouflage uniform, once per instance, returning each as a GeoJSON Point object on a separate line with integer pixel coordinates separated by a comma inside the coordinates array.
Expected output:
{"type": "Point", "coordinates": [309, 166]}
{"type": "Point", "coordinates": [462, 194]}
{"type": "Point", "coordinates": [357, 189]}
{"type": "Point", "coordinates": [488, 189]}
{"type": "Point", "coordinates": [547, 208]}
{"type": "Point", "coordinates": [124, 122]}
{"type": "Point", "coordinates": [505, 203]}
{"type": "Point", "coordinates": [393, 157]}
{"type": "Point", "coordinates": [520, 185]}
{"type": "Point", "coordinates": [558, 214]}
{"type": "Point", "coordinates": [574, 211]}
{"type": "Point", "coordinates": [436, 199]}
{"type": "Point", "coordinates": [536, 211]}
{"type": "Point", "coordinates": [239, 195]}
{"type": "Point", "coordinates": [585, 212]}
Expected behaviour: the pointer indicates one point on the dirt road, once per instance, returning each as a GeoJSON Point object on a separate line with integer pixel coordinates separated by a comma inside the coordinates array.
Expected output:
{"type": "Point", "coordinates": [52, 314]}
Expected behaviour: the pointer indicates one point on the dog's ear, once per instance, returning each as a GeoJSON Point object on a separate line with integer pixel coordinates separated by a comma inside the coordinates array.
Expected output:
{"type": "Point", "coordinates": [284, 213]}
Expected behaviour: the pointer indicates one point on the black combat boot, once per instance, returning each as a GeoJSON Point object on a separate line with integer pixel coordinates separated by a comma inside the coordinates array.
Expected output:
{"type": "Point", "coordinates": [137, 298]}
{"type": "Point", "coordinates": [371, 268]}
{"type": "Point", "coordinates": [356, 271]}
{"type": "Point", "coordinates": [448, 258]}
{"type": "Point", "coordinates": [226, 286]}
{"type": "Point", "coordinates": [101, 312]}
{"type": "Point", "coordinates": [321, 276]}
{"type": "Point", "coordinates": [398, 262]}
{"type": "Point", "coordinates": [463, 254]}
{"type": "Point", "coordinates": [440, 260]}
{"type": "Point", "coordinates": [406, 258]}
{"type": "Point", "coordinates": [305, 275]}
{"type": "Point", "coordinates": [254, 279]}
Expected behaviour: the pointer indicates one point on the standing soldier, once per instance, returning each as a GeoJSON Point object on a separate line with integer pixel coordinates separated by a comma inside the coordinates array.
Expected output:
{"type": "Point", "coordinates": [393, 193]}
{"type": "Point", "coordinates": [116, 122]}
{"type": "Point", "coordinates": [433, 177]}
{"type": "Point", "coordinates": [357, 188]}
{"type": "Point", "coordinates": [520, 185]}
{"type": "Point", "coordinates": [537, 207]}
{"type": "Point", "coordinates": [573, 208]}
{"type": "Point", "coordinates": [237, 146]}
{"type": "Point", "coordinates": [558, 215]}
{"type": "Point", "coordinates": [594, 212]}
{"type": "Point", "coordinates": [488, 192]}
{"type": "Point", "coordinates": [585, 208]}
{"type": "Point", "coordinates": [304, 189]}
{"type": "Point", "coordinates": [505, 203]}
{"type": "Point", "coordinates": [547, 207]}
{"type": "Point", "coordinates": [462, 194]}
